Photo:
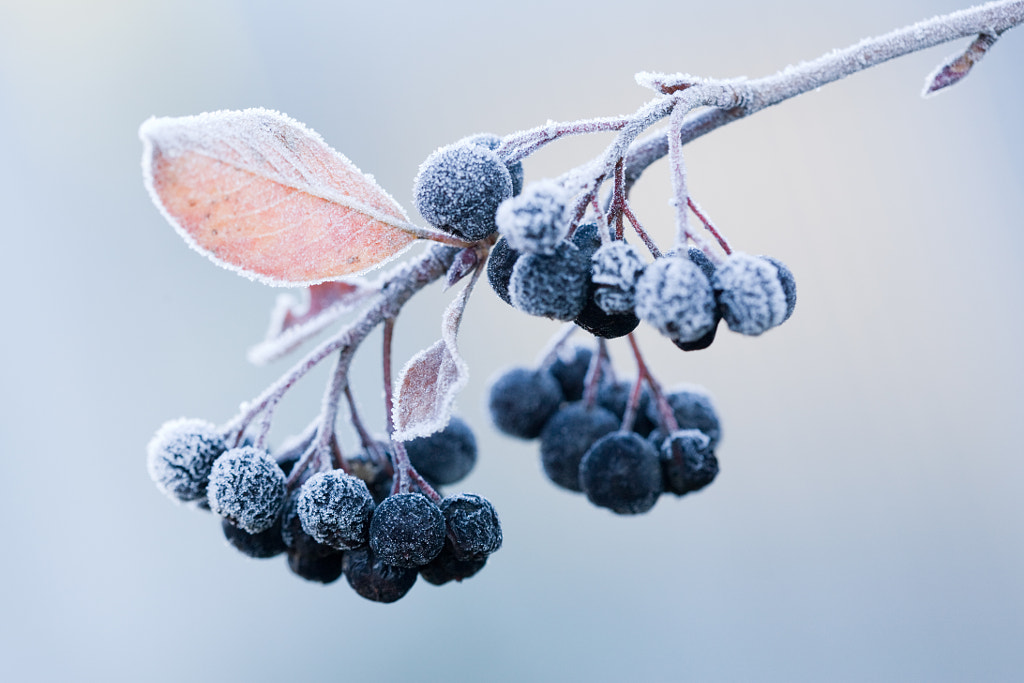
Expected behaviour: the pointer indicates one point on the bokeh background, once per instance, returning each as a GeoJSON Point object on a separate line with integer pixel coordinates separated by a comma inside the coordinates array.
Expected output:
{"type": "Point", "coordinates": [867, 523]}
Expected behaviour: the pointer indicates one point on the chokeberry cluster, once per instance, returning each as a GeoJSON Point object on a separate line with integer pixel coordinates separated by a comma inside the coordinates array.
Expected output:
{"type": "Point", "coordinates": [621, 443]}
{"type": "Point", "coordinates": [326, 519]}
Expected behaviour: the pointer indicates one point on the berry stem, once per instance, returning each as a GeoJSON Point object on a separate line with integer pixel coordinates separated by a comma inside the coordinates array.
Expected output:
{"type": "Point", "coordinates": [618, 200]}
{"type": "Point", "coordinates": [555, 344]}
{"type": "Point", "coordinates": [635, 222]}
{"type": "Point", "coordinates": [520, 145]}
{"type": "Point", "coordinates": [709, 225]}
{"type": "Point", "coordinates": [389, 396]}
{"type": "Point", "coordinates": [678, 172]}
{"type": "Point", "coordinates": [666, 416]}
{"type": "Point", "coordinates": [402, 282]}
{"type": "Point", "coordinates": [632, 405]}
{"type": "Point", "coordinates": [593, 379]}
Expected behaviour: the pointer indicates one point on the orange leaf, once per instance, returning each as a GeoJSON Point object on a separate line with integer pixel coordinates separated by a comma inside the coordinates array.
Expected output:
{"type": "Point", "coordinates": [261, 194]}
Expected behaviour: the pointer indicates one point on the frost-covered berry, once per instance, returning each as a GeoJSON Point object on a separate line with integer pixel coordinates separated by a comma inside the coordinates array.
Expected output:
{"type": "Point", "coordinates": [567, 436]}
{"type": "Point", "coordinates": [260, 546]}
{"type": "Point", "coordinates": [246, 488]}
{"type": "Point", "coordinates": [536, 221]}
{"type": "Point", "coordinates": [444, 457]}
{"type": "Point", "coordinates": [750, 294]}
{"type": "Point", "coordinates": [621, 472]}
{"type": "Point", "coordinates": [676, 298]}
{"type": "Point", "coordinates": [472, 526]}
{"type": "Point", "coordinates": [499, 268]}
{"type": "Point", "coordinates": [570, 369]}
{"type": "Point", "coordinates": [551, 285]}
{"type": "Point", "coordinates": [687, 461]}
{"type": "Point", "coordinates": [788, 284]}
{"type": "Point", "coordinates": [407, 530]}
{"type": "Point", "coordinates": [601, 324]}
{"type": "Point", "coordinates": [693, 409]}
{"type": "Point", "coordinates": [316, 565]}
{"type": "Point", "coordinates": [521, 402]}
{"type": "Point", "coordinates": [373, 579]}
{"type": "Point", "coordinates": [702, 343]}
{"type": "Point", "coordinates": [445, 567]}
{"type": "Point", "coordinates": [492, 141]}
{"type": "Point", "coordinates": [181, 455]}
{"type": "Point", "coordinates": [459, 187]}
{"type": "Point", "coordinates": [616, 268]}
{"type": "Point", "coordinates": [335, 509]}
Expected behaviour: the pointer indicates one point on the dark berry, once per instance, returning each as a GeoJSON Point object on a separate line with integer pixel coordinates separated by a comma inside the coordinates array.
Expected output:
{"type": "Point", "coordinates": [570, 369]}
{"type": "Point", "coordinates": [693, 409]}
{"type": "Point", "coordinates": [551, 285]}
{"type": "Point", "coordinates": [459, 187]}
{"type": "Point", "coordinates": [621, 472]}
{"type": "Point", "coordinates": [522, 401]}
{"type": "Point", "coordinates": [407, 530]}
{"type": "Point", "coordinates": [788, 284]}
{"type": "Point", "coordinates": [491, 141]}
{"type": "Point", "coordinates": [335, 509]}
{"type": "Point", "coordinates": [445, 567]}
{"type": "Point", "coordinates": [567, 436]}
{"type": "Point", "coordinates": [472, 527]}
{"type": "Point", "coordinates": [750, 294]}
{"type": "Point", "coordinates": [247, 488]}
{"type": "Point", "coordinates": [322, 567]}
{"type": "Point", "coordinates": [536, 221]}
{"type": "Point", "coordinates": [601, 324]}
{"type": "Point", "coordinates": [181, 455]}
{"type": "Point", "coordinates": [499, 268]}
{"type": "Point", "coordinates": [373, 579]}
{"type": "Point", "coordinates": [444, 457]}
{"type": "Point", "coordinates": [587, 238]}
{"type": "Point", "coordinates": [675, 297]}
{"type": "Point", "coordinates": [687, 461]}
{"type": "Point", "coordinates": [702, 343]}
{"type": "Point", "coordinates": [260, 546]}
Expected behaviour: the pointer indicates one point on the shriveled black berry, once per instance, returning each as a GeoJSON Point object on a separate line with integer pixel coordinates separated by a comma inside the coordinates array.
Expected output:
{"type": "Point", "coordinates": [687, 461]}
{"type": "Point", "coordinates": [444, 457]}
{"type": "Point", "coordinates": [701, 260]}
{"type": "Point", "coordinates": [246, 488]}
{"type": "Point", "coordinates": [567, 436]}
{"type": "Point", "coordinates": [373, 579]}
{"type": "Point", "coordinates": [693, 409]}
{"type": "Point", "coordinates": [621, 472]}
{"type": "Point", "coordinates": [472, 527]}
{"type": "Point", "coordinates": [407, 530]}
{"type": "Point", "coordinates": [614, 397]}
{"type": "Point", "coordinates": [459, 187]}
{"type": "Point", "coordinates": [313, 565]}
{"type": "Point", "coordinates": [335, 509]}
{"type": "Point", "coordinates": [499, 268]}
{"type": "Point", "coordinates": [675, 297]}
{"type": "Point", "coordinates": [492, 141]}
{"type": "Point", "coordinates": [260, 546]}
{"type": "Point", "coordinates": [537, 220]}
{"type": "Point", "coordinates": [551, 285]}
{"type": "Point", "coordinates": [788, 284]}
{"type": "Point", "coordinates": [570, 369]}
{"type": "Point", "coordinates": [181, 455]}
{"type": "Point", "coordinates": [750, 294]}
{"type": "Point", "coordinates": [522, 401]}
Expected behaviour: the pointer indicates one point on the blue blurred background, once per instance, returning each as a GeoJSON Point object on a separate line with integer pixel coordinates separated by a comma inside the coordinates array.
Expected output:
{"type": "Point", "coordinates": [867, 523]}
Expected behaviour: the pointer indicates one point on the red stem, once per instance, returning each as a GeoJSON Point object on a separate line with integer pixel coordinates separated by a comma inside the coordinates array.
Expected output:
{"type": "Point", "coordinates": [708, 224]}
